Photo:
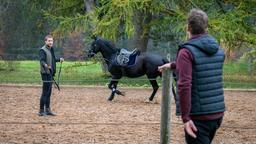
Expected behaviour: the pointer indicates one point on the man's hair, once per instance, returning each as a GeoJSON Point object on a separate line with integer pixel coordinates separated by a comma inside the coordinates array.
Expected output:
{"type": "Point", "coordinates": [47, 36]}
{"type": "Point", "coordinates": [197, 21]}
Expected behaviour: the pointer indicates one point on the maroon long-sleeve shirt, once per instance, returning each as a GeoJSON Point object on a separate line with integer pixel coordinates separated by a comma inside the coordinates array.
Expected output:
{"type": "Point", "coordinates": [183, 66]}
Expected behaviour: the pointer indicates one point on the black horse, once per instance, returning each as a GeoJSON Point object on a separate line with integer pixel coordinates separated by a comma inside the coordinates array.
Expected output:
{"type": "Point", "coordinates": [146, 63]}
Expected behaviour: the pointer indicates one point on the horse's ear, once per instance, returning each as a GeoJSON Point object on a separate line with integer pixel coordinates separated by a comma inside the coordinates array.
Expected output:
{"type": "Point", "coordinates": [94, 37]}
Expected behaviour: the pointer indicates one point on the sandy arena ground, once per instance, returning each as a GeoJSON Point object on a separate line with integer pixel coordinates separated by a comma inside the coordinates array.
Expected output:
{"type": "Point", "coordinates": [86, 117]}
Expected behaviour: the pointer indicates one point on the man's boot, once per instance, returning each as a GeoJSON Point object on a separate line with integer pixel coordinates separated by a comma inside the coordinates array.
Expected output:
{"type": "Point", "coordinates": [49, 112]}
{"type": "Point", "coordinates": [41, 112]}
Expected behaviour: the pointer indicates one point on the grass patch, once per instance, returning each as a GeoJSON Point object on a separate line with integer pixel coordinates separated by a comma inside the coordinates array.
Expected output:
{"type": "Point", "coordinates": [236, 75]}
{"type": "Point", "coordinates": [89, 73]}
{"type": "Point", "coordinates": [73, 73]}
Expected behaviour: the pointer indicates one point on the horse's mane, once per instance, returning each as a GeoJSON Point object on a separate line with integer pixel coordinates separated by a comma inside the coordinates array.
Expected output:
{"type": "Point", "coordinates": [108, 44]}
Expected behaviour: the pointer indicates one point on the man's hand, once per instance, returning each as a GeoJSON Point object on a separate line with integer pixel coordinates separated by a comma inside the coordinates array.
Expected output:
{"type": "Point", "coordinates": [190, 128]}
{"type": "Point", "coordinates": [161, 68]}
{"type": "Point", "coordinates": [49, 67]}
{"type": "Point", "coordinates": [61, 60]}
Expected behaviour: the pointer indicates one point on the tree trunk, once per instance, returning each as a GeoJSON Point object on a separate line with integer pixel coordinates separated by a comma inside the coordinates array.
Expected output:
{"type": "Point", "coordinates": [89, 6]}
{"type": "Point", "coordinates": [142, 29]}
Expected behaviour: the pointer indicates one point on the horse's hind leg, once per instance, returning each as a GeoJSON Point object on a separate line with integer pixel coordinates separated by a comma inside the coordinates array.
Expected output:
{"type": "Point", "coordinates": [155, 88]}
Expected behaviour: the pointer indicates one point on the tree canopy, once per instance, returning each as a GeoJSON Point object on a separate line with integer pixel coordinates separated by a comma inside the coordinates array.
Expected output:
{"type": "Point", "coordinates": [232, 22]}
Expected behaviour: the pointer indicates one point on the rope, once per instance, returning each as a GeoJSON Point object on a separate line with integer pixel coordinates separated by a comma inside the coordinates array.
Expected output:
{"type": "Point", "coordinates": [224, 126]}
{"type": "Point", "coordinates": [128, 124]}
{"type": "Point", "coordinates": [74, 123]}
{"type": "Point", "coordinates": [98, 80]}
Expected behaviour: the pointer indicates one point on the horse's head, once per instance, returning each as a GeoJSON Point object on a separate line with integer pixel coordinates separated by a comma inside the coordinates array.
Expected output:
{"type": "Point", "coordinates": [95, 48]}
{"type": "Point", "coordinates": [107, 48]}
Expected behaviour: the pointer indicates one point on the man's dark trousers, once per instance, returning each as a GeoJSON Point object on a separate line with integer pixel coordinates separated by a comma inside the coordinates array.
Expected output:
{"type": "Point", "coordinates": [205, 131]}
{"type": "Point", "coordinates": [46, 91]}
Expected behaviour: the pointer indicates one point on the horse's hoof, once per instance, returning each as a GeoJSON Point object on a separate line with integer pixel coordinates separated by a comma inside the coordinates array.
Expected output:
{"type": "Point", "coordinates": [151, 102]}
{"type": "Point", "coordinates": [110, 98]}
{"type": "Point", "coordinates": [120, 93]}
{"type": "Point", "coordinates": [147, 101]}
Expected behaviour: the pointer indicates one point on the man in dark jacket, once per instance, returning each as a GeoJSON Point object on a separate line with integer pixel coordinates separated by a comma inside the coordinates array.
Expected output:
{"type": "Point", "coordinates": [48, 70]}
{"type": "Point", "coordinates": [199, 67]}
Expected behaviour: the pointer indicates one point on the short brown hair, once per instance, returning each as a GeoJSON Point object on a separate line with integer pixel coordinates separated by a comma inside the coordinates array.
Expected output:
{"type": "Point", "coordinates": [198, 21]}
{"type": "Point", "coordinates": [47, 36]}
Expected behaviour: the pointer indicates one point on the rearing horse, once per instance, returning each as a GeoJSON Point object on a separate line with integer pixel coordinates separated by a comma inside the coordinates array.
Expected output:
{"type": "Point", "coordinates": [146, 64]}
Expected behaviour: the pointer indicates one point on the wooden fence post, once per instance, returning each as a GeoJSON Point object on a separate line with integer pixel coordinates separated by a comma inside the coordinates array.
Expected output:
{"type": "Point", "coordinates": [165, 106]}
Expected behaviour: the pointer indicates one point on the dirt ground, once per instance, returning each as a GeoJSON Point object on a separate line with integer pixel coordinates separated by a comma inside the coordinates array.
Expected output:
{"type": "Point", "coordinates": [86, 117]}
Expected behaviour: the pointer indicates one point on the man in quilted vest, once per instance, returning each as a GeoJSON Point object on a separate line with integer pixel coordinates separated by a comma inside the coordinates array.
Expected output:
{"type": "Point", "coordinates": [199, 67]}
{"type": "Point", "coordinates": [47, 70]}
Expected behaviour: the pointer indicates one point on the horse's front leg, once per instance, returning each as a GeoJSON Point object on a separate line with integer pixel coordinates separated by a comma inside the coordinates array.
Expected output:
{"type": "Point", "coordinates": [118, 92]}
{"type": "Point", "coordinates": [112, 86]}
